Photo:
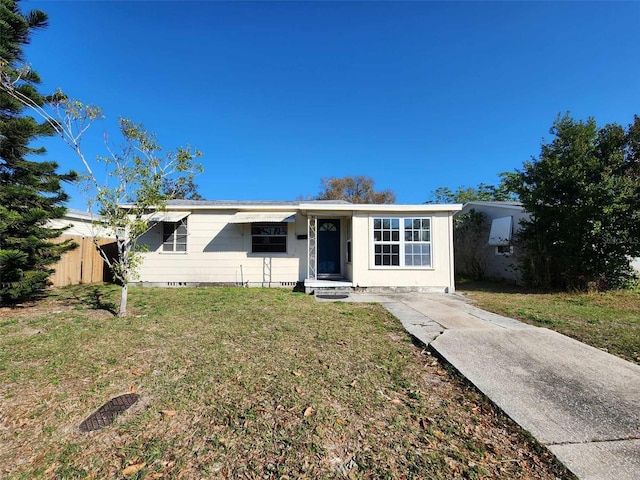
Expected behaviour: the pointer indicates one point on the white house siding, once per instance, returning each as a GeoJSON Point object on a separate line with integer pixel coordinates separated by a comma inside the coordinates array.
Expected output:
{"type": "Point", "coordinates": [79, 225]}
{"type": "Point", "coordinates": [437, 278]}
{"type": "Point", "coordinates": [220, 252]}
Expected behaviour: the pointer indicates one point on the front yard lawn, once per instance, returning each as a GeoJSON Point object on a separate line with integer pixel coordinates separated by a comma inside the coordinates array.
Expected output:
{"type": "Point", "coordinates": [609, 320]}
{"type": "Point", "coordinates": [240, 383]}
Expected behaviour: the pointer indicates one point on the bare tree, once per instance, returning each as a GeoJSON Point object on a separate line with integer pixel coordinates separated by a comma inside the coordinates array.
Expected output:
{"type": "Point", "coordinates": [359, 189]}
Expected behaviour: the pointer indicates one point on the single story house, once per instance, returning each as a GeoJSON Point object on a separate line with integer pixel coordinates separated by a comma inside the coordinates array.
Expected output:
{"type": "Point", "coordinates": [310, 243]}
{"type": "Point", "coordinates": [495, 249]}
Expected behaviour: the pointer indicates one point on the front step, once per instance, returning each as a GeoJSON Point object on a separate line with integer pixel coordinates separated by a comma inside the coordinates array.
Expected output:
{"type": "Point", "coordinates": [331, 294]}
{"type": "Point", "coordinates": [331, 291]}
{"type": "Point", "coordinates": [327, 287]}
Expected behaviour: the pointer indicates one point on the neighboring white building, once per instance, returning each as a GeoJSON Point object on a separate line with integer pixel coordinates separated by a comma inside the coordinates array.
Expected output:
{"type": "Point", "coordinates": [286, 243]}
{"type": "Point", "coordinates": [503, 222]}
{"type": "Point", "coordinates": [496, 248]}
{"type": "Point", "coordinates": [80, 224]}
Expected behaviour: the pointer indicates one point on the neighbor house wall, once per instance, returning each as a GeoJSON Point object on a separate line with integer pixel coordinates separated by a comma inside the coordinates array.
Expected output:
{"type": "Point", "coordinates": [438, 277]}
{"type": "Point", "coordinates": [499, 266]}
{"type": "Point", "coordinates": [220, 252]}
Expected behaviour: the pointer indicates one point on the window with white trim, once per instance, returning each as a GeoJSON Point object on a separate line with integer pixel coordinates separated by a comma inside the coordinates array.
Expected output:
{"type": "Point", "coordinates": [174, 236]}
{"type": "Point", "coordinates": [402, 242]}
{"type": "Point", "coordinates": [269, 237]}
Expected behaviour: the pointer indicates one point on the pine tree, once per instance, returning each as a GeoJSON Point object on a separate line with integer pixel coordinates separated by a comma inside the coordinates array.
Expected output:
{"type": "Point", "coordinates": [30, 191]}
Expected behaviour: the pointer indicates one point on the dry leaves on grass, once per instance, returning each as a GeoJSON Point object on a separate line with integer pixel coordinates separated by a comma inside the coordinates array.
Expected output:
{"type": "Point", "coordinates": [135, 468]}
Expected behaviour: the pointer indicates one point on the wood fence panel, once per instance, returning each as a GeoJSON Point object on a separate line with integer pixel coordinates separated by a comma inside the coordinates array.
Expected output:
{"type": "Point", "coordinates": [81, 265]}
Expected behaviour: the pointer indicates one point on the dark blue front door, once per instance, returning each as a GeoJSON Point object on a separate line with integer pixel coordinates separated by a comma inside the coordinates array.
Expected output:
{"type": "Point", "coordinates": [329, 247]}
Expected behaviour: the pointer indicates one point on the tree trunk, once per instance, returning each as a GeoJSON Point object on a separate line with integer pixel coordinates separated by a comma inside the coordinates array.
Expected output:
{"type": "Point", "coordinates": [122, 312]}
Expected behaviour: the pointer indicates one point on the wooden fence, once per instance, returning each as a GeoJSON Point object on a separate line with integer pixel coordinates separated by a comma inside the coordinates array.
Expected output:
{"type": "Point", "coordinates": [83, 264]}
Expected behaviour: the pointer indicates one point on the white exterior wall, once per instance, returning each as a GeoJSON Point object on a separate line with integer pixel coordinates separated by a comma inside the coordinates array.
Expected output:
{"type": "Point", "coordinates": [220, 252]}
{"type": "Point", "coordinates": [438, 277]}
{"type": "Point", "coordinates": [498, 266]}
{"type": "Point", "coordinates": [79, 227]}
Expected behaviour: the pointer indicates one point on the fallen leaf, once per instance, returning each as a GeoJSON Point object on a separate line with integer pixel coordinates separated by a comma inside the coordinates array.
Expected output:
{"type": "Point", "coordinates": [168, 413]}
{"type": "Point", "coordinates": [354, 383]}
{"type": "Point", "coordinates": [50, 469]}
{"type": "Point", "coordinates": [309, 411]}
{"type": "Point", "coordinates": [396, 401]}
{"type": "Point", "coordinates": [131, 469]}
{"type": "Point", "coordinates": [132, 389]}
{"type": "Point", "coordinates": [299, 391]}
{"type": "Point", "coordinates": [297, 373]}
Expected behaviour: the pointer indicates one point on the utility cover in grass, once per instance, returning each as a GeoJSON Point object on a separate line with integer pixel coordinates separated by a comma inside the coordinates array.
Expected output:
{"type": "Point", "coordinates": [108, 412]}
{"type": "Point", "coordinates": [332, 297]}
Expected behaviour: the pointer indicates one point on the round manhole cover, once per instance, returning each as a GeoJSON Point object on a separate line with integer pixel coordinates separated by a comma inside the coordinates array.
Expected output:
{"type": "Point", "coordinates": [108, 412]}
{"type": "Point", "coordinates": [332, 297]}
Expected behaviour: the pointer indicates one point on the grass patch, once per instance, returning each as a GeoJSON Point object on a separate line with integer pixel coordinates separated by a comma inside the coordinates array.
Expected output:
{"type": "Point", "coordinates": [240, 383]}
{"type": "Point", "coordinates": [609, 321]}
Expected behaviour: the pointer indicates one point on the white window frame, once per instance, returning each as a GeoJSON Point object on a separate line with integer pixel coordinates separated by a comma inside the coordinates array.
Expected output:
{"type": "Point", "coordinates": [174, 237]}
{"type": "Point", "coordinates": [401, 241]}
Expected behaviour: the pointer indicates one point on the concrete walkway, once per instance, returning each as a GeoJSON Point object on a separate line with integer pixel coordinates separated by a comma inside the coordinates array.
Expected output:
{"type": "Point", "coordinates": [582, 403]}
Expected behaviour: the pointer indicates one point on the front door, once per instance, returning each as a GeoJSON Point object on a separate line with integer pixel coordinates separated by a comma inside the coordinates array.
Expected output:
{"type": "Point", "coordinates": [328, 247]}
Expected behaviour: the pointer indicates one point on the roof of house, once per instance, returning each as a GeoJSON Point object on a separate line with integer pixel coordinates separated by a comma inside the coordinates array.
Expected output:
{"type": "Point", "coordinates": [80, 215]}
{"type": "Point", "coordinates": [249, 203]}
{"type": "Point", "coordinates": [511, 206]}
{"type": "Point", "coordinates": [306, 206]}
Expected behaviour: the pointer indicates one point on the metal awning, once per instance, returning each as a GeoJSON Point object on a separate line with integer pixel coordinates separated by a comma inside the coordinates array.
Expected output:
{"type": "Point", "coordinates": [500, 234]}
{"type": "Point", "coordinates": [166, 216]}
{"type": "Point", "coordinates": [267, 217]}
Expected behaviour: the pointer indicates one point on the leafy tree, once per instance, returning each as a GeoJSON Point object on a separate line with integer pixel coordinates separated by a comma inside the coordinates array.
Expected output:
{"type": "Point", "coordinates": [30, 191]}
{"type": "Point", "coordinates": [359, 189]}
{"type": "Point", "coordinates": [583, 194]}
{"type": "Point", "coordinates": [470, 252]}
{"type": "Point", "coordinates": [181, 189]}
{"type": "Point", "coordinates": [140, 177]}
{"type": "Point", "coordinates": [139, 171]}
{"type": "Point", "coordinates": [482, 193]}
{"type": "Point", "coordinates": [470, 232]}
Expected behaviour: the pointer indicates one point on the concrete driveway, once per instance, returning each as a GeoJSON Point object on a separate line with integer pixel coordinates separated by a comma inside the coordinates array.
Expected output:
{"type": "Point", "coordinates": [582, 403]}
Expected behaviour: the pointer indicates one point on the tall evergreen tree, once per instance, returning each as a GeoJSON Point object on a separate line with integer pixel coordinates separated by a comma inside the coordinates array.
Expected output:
{"type": "Point", "coordinates": [583, 194]}
{"type": "Point", "coordinates": [30, 191]}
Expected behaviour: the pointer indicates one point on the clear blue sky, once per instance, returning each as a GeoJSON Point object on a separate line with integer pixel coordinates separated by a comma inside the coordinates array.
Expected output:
{"type": "Point", "coordinates": [277, 95]}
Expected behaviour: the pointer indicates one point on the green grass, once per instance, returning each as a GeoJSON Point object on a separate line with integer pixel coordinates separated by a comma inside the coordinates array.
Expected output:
{"type": "Point", "coordinates": [240, 383]}
{"type": "Point", "coordinates": [609, 320]}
